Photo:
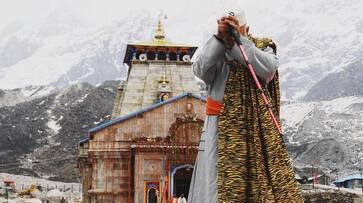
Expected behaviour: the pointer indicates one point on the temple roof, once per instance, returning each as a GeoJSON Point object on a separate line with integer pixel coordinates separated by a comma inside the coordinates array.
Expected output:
{"type": "Point", "coordinates": [137, 113]}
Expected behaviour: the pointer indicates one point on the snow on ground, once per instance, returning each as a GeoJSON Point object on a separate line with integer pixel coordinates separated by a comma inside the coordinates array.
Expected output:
{"type": "Point", "coordinates": [53, 122]}
{"type": "Point", "coordinates": [20, 200]}
{"type": "Point", "coordinates": [28, 93]}
{"type": "Point", "coordinates": [295, 113]}
{"type": "Point", "coordinates": [26, 181]}
{"type": "Point", "coordinates": [51, 190]}
{"type": "Point", "coordinates": [338, 119]}
{"type": "Point", "coordinates": [341, 105]}
{"type": "Point", "coordinates": [37, 91]}
{"type": "Point", "coordinates": [82, 99]}
{"type": "Point", "coordinates": [55, 193]}
{"type": "Point", "coordinates": [53, 125]}
{"type": "Point", "coordinates": [357, 191]}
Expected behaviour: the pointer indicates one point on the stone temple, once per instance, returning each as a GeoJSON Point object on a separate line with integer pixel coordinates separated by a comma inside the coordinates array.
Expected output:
{"type": "Point", "coordinates": [146, 152]}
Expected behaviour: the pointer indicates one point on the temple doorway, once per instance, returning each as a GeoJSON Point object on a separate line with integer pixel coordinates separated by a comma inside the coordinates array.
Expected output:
{"type": "Point", "coordinates": [152, 191]}
{"type": "Point", "coordinates": [181, 177]}
{"type": "Point", "coordinates": [151, 196]}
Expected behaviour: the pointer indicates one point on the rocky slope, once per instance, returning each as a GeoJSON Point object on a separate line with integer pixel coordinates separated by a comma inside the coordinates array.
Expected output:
{"type": "Point", "coordinates": [40, 137]}
{"type": "Point", "coordinates": [348, 82]}
{"type": "Point", "coordinates": [327, 135]}
{"type": "Point", "coordinates": [19, 95]}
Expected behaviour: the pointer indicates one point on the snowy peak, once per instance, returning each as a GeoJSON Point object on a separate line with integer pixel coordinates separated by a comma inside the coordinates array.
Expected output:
{"type": "Point", "coordinates": [329, 132]}
{"type": "Point", "coordinates": [19, 95]}
{"type": "Point", "coordinates": [314, 38]}
{"type": "Point", "coordinates": [347, 82]}
{"type": "Point", "coordinates": [72, 56]}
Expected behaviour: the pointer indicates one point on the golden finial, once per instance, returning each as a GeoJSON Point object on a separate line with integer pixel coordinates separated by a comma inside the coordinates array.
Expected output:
{"type": "Point", "coordinates": [159, 35]}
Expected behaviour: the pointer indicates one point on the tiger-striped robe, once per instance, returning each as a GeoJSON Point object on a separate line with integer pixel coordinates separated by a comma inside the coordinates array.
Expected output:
{"type": "Point", "coordinates": [241, 156]}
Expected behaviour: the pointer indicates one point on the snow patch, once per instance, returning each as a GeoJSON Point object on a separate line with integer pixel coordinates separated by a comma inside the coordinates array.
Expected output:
{"type": "Point", "coordinates": [53, 122]}
{"type": "Point", "coordinates": [54, 126]}
{"type": "Point", "coordinates": [41, 103]}
{"type": "Point", "coordinates": [37, 91]}
{"type": "Point", "coordinates": [82, 99]}
{"type": "Point", "coordinates": [295, 113]}
{"type": "Point", "coordinates": [73, 190]}
{"type": "Point", "coordinates": [341, 105]}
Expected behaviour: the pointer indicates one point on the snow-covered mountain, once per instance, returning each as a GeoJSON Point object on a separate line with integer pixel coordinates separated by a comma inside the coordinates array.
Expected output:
{"type": "Point", "coordinates": [347, 82]}
{"type": "Point", "coordinates": [53, 64]}
{"type": "Point", "coordinates": [327, 134]}
{"type": "Point", "coordinates": [63, 52]}
{"type": "Point", "coordinates": [40, 136]}
{"type": "Point", "coordinates": [19, 95]}
{"type": "Point", "coordinates": [314, 39]}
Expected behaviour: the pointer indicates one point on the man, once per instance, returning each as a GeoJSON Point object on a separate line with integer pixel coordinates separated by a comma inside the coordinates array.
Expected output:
{"type": "Point", "coordinates": [241, 155]}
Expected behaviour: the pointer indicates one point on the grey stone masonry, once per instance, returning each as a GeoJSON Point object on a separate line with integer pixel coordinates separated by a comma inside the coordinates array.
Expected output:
{"type": "Point", "coordinates": [141, 88]}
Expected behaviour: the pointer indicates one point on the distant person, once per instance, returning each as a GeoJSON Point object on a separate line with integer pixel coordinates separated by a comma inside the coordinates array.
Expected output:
{"type": "Point", "coordinates": [182, 199]}
{"type": "Point", "coordinates": [175, 199]}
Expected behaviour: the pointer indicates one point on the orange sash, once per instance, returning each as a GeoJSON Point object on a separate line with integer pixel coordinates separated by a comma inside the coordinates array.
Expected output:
{"type": "Point", "coordinates": [212, 107]}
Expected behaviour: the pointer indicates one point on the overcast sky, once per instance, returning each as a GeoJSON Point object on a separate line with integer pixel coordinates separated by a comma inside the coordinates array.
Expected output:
{"type": "Point", "coordinates": [99, 12]}
{"type": "Point", "coordinates": [96, 11]}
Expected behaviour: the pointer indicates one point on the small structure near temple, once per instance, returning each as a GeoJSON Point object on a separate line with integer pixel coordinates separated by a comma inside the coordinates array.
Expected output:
{"type": "Point", "coordinates": [146, 152]}
{"type": "Point", "coordinates": [352, 181]}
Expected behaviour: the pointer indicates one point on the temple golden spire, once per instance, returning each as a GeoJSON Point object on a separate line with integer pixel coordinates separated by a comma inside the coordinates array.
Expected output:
{"type": "Point", "coordinates": [159, 35]}
{"type": "Point", "coordinates": [159, 48]}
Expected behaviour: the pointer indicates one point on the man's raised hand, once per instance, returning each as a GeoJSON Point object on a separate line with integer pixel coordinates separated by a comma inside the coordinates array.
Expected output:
{"type": "Point", "coordinates": [222, 33]}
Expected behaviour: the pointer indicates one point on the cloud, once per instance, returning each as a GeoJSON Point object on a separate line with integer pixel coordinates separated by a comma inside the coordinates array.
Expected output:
{"type": "Point", "coordinates": [104, 11]}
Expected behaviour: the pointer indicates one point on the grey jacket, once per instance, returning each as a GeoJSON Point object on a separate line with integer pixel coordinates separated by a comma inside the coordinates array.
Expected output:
{"type": "Point", "coordinates": [211, 67]}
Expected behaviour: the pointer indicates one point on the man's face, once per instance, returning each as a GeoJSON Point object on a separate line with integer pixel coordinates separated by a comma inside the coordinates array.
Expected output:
{"type": "Point", "coordinates": [244, 30]}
